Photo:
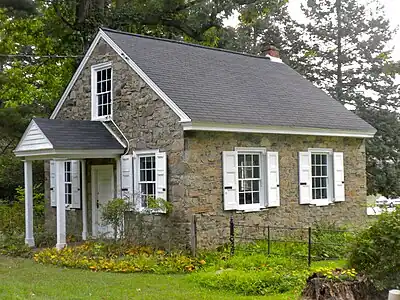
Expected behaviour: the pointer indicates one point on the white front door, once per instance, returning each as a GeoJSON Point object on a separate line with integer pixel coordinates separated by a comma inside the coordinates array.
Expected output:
{"type": "Point", "coordinates": [103, 192]}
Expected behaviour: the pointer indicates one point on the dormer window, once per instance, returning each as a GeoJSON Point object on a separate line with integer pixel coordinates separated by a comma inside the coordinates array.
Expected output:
{"type": "Point", "coordinates": [102, 92]}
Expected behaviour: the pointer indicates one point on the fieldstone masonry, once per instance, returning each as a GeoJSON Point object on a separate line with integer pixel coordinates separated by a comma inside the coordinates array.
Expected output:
{"type": "Point", "coordinates": [195, 163]}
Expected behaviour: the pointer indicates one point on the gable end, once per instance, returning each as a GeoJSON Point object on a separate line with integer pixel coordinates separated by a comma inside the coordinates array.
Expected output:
{"type": "Point", "coordinates": [102, 35]}
{"type": "Point", "coordinates": [33, 139]}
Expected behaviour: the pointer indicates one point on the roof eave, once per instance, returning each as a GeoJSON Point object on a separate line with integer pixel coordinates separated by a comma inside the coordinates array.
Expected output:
{"type": "Point", "coordinates": [208, 126]}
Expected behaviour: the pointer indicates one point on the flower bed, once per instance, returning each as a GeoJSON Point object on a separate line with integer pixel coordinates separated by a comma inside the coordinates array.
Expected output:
{"type": "Point", "coordinates": [119, 258]}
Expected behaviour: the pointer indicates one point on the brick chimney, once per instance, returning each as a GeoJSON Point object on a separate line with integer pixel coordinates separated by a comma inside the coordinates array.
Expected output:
{"type": "Point", "coordinates": [271, 50]}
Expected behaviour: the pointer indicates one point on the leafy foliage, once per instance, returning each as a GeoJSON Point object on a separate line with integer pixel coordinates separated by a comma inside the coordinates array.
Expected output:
{"type": "Point", "coordinates": [113, 214]}
{"type": "Point", "coordinates": [376, 251]}
{"type": "Point", "coordinates": [122, 258]}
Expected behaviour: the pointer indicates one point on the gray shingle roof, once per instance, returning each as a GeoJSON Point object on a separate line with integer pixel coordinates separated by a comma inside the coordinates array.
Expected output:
{"type": "Point", "coordinates": [213, 85]}
{"type": "Point", "coordinates": [77, 134]}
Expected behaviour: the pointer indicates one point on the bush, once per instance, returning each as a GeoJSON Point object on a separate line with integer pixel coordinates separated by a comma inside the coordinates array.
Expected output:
{"type": "Point", "coordinates": [113, 215]}
{"type": "Point", "coordinates": [330, 241]}
{"type": "Point", "coordinates": [376, 251]}
{"type": "Point", "coordinates": [14, 246]}
{"type": "Point", "coordinates": [12, 215]}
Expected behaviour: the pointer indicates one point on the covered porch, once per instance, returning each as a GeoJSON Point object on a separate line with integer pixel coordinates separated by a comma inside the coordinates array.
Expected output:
{"type": "Point", "coordinates": [69, 145]}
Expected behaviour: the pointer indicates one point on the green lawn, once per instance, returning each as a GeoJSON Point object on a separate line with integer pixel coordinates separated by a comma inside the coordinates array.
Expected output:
{"type": "Point", "coordinates": [24, 279]}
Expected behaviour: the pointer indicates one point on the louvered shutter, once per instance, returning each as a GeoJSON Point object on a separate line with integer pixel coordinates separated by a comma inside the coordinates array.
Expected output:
{"type": "Point", "coordinates": [76, 184]}
{"type": "Point", "coordinates": [53, 199]}
{"type": "Point", "coordinates": [161, 175]}
{"type": "Point", "coordinates": [230, 174]}
{"type": "Point", "coordinates": [273, 192]}
{"type": "Point", "coordinates": [127, 177]}
{"type": "Point", "coordinates": [338, 177]}
{"type": "Point", "coordinates": [305, 187]}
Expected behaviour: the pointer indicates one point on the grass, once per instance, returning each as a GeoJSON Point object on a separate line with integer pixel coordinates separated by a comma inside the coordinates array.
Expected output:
{"type": "Point", "coordinates": [25, 279]}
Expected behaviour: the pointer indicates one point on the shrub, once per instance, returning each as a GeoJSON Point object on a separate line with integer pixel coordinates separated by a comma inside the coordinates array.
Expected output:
{"type": "Point", "coordinates": [113, 214]}
{"type": "Point", "coordinates": [14, 246]}
{"type": "Point", "coordinates": [376, 251]}
{"type": "Point", "coordinates": [330, 241]}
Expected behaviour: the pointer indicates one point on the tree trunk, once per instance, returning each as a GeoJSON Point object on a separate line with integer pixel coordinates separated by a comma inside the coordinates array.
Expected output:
{"type": "Point", "coordinates": [321, 288]}
{"type": "Point", "coordinates": [339, 83]}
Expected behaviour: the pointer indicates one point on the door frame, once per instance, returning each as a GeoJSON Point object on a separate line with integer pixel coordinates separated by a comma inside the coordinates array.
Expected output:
{"type": "Point", "coordinates": [94, 169]}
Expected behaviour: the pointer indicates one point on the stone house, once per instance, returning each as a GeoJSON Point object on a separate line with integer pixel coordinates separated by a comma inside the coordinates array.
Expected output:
{"type": "Point", "coordinates": [213, 132]}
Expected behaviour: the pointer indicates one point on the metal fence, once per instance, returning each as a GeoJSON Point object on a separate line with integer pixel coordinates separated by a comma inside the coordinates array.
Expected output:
{"type": "Point", "coordinates": [311, 243]}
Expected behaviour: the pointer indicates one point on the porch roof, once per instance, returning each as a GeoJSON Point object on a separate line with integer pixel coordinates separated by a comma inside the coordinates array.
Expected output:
{"type": "Point", "coordinates": [52, 138]}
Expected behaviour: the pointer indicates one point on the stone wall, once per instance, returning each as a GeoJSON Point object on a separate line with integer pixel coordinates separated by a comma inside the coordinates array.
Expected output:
{"type": "Point", "coordinates": [203, 182]}
{"type": "Point", "coordinates": [146, 121]}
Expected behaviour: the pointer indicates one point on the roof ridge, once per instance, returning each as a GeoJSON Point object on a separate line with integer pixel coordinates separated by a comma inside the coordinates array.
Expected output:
{"type": "Point", "coordinates": [184, 43]}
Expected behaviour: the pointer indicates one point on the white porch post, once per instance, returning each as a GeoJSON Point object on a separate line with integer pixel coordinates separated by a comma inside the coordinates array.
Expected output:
{"type": "Point", "coordinates": [29, 240]}
{"type": "Point", "coordinates": [60, 197]}
{"type": "Point", "coordinates": [84, 201]}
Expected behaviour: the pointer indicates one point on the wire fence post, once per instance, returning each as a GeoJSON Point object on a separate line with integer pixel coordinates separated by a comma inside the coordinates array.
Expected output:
{"type": "Point", "coordinates": [309, 246]}
{"type": "Point", "coordinates": [232, 235]}
{"type": "Point", "coordinates": [269, 239]}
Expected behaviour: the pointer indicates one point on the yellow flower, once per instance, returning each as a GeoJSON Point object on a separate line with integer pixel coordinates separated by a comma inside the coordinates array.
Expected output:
{"type": "Point", "coordinates": [202, 262]}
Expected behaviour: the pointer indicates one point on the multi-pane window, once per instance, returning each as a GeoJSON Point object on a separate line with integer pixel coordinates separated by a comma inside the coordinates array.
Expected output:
{"type": "Point", "coordinates": [249, 178]}
{"type": "Point", "coordinates": [319, 175]}
{"type": "Point", "coordinates": [68, 182]}
{"type": "Point", "coordinates": [103, 92]}
{"type": "Point", "coordinates": [147, 178]}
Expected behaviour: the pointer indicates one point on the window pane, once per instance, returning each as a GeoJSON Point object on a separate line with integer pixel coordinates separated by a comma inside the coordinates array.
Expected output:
{"type": "Point", "coordinates": [103, 86]}
{"type": "Point", "coordinates": [248, 172]}
{"type": "Point", "coordinates": [313, 194]}
{"type": "Point", "coordinates": [247, 185]}
{"type": "Point", "coordinates": [142, 162]}
{"type": "Point", "coordinates": [98, 76]}
{"type": "Point", "coordinates": [256, 172]}
{"type": "Point", "coordinates": [256, 160]}
{"type": "Point", "coordinates": [318, 159]}
{"type": "Point", "coordinates": [256, 185]}
{"type": "Point", "coordinates": [248, 198]}
{"type": "Point", "coordinates": [149, 175]}
{"type": "Point", "coordinates": [324, 193]}
{"type": "Point", "coordinates": [109, 109]}
{"type": "Point", "coordinates": [313, 170]}
{"type": "Point", "coordinates": [240, 186]}
{"type": "Point", "coordinates": [241, 160]}
{"type": "Point", "coordinates": [142, 175]}
{"type": "Point", "coordinates": [318, 171]}
{"type": "Point", "coordinates": [103, 74]}
{"type": "Point", "coordinates": [241, 198]}
{"type": "Point", "coordinates": [241, 172]}
{"type": "Point", "coordinates": [149, 163]}
{"type": "Point", "coordinates": [324, 171]}
{"type": "Point", "coordinates": [318, 194]}
{"type": "Point", "coordinates": [109, 85]}
{"type": "Point", "coordinates": [249, 160]}
{"type": "Point", "coordinates": [313, 159]}
{"type": "Point", "coordinates": [109, 73]}
{"type": "Point", "coordinates": [256, 197]}
{"type": "Point", "coordinates": [151, 189]}
{"type": "Point", "coordinates": [324, 159]}
{"type": "Point", "coordinates": [324, 182]}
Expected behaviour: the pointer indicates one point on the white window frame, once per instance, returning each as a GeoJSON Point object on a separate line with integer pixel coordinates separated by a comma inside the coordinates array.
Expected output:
{"type": "Point", "coordinates": [330, 182]}
{"type": "Point", "coordinates": [262, 188]}
{"type": "Point", "coordinates": [137, 196]}
{"type": "Point", "coordinates": [68, 183]}
{"type": "Point", "coordinates": [94, 70]}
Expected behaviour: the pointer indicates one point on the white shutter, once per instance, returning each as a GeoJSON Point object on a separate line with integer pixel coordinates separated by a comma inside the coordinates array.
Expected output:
{"type": "Point", "coordinates": [338, 177]}
{"type": "Point", "coordinates": [230, 172]}
{"type": "Point", "coordinates": [305, 187]}
{"type": "Point", "coordinates": [126, 177]}
{"type": "Point", "coordinates": [53, 200]}
{"type": "Point", "coordinates": [76, 184]}
{"type": "Point", "coordinates": [273, 179]}
{"type": "Point", "coordinates": [161, 175]}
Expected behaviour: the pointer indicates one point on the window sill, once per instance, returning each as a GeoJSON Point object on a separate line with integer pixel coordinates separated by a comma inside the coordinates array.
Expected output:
{"type": "Point", "coordinates": [249, 210]}
{"type": "Point", "coordinates": [103, 118]}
